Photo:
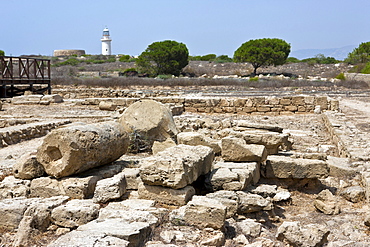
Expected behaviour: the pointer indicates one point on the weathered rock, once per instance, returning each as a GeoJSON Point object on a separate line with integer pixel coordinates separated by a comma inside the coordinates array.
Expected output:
{"type": "Point", "coordinates": [52, 98]}
{"type": "Point", "coordinates": [75, 213]}
{"type": "Point", "coordinates": [166, 195]}
{"type": "Point", "coordinates": [354, 193]}
{"type": "Point", "coordinates": [107, 106]}
{"type": "Point", "coordinates": [78, 187]}
{"type": "Point", "coordinates": [259, 126]}
{"type": "Point", "coordinates": [250, 227]}
{"type": "Point", "coordinates": [367, 220]}
{"type": "Point", "coordinates": [12, 210]}
{"type": "Point", "coordinates": [110, 188]}
{"type": "Point", "coordinates": [77, 148]}
{"type": "Point", "coordinates": [45, 187]}
{"type": "Point", "coordinates": [327, 203]}
{"type": "Point", "coordinates": [177, 167]}
{"type": "Point", "coordinates": [228, 199]}
{"type": "Point", "coordinates": [11, 187]}
{"type": "Point", "coordinates": [161, 146]}
{"type": "Point", "coordinates": [205, 212]}
{"type": "Point", "coordinates": [232, 176]}
{"type": "Point", "coordinates": [286, 167]}
{"type": "Point", "coordinates": [282, 195]}
{"type": "Point", "coordinates": [150, 119]}
{"type": "Point", "coordinates": [196, 138]}
{"type": "Point", "coordinates": [249, 203]}
{"type": "Point", "coordinates": [137, 233]}
{"type": "Point", "coordinates": [133, 210]}
{"type": "Point", "coordinates": [132, 176]}
{"type": "Point", "coordinates": [265, 190]}
{"type": "Point", "coordinates": [236, 149]}
{"type": "Point", "coordinates": [86, 238]}
{"type": "Point", "coordinates": [27, 167]}
{"type": "Point", "coordinates": [310, 236]}
{"type": "Point", "coordinates": [36, 219]}
{"type": "Point", "coordinates": [217, 238]}
{"type": "Point", "coordinates": [340, 167]}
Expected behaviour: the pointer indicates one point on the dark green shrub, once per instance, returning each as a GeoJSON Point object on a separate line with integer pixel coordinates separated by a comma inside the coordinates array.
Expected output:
{"type": "Point", "coordinates": [292, 60]}
{"type": "Point", "coordinates": [366, 70]}
{"type": "Point", "coordinates": [254, 78]}
{"type": "Point", "coordinates": [2, 53]}
{"type": "Point", "coordinates": [223, 59]}
{"type": "Point", "coordinates": [124, 58]}
{"type": "Point", "coordinates": [341, 77]}
{"type": "Point", "coordinates": [361, 54]}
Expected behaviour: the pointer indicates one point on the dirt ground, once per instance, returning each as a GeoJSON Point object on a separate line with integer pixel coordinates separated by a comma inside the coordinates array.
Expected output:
{"type": "Point", "coordinates": [308, 134]}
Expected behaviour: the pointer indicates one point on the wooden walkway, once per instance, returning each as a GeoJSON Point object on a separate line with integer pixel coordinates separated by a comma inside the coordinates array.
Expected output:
{"type": "Point", "coordinates": [20, 74]}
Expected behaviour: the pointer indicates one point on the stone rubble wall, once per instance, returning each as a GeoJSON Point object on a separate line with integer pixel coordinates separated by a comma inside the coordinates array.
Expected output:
{"type": "Point", "coordinates": [358, 77]}
{"type": "Point", "coordinates": [15, 134]}
{"type": "Point", "coordinates": [247, 105]}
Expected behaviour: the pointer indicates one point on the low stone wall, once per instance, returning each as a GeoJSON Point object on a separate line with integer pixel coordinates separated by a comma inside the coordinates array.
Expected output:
{"type": "Point", "coordinates": [358, 77]}
{"type": "Point", "coordinates": [245, 105]}
{"type": "Point", "coordinates": [19, 133]}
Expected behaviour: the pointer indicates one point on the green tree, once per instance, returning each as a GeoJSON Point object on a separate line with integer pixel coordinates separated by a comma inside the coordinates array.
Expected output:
{"type": "Point", "coordinates": [2, 53]}
{"type": "Point", "coordinates": [164, 57]}
{"type": "Point", "coordinates": [361, 54]}
{"type": "Point", "coordinates": [263, 52]}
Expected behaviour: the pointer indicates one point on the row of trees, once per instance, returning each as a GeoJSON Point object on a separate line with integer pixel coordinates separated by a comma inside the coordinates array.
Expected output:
{"type": "Point", "coordinates": [170, 57]}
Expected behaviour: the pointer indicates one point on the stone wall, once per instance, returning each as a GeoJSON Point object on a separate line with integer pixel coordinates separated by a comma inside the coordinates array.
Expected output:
{"type": "Point", "coordinates": [245, 105]}
{"type": "Point", "coordinates": [358, 77]}
{"type": "Point", "coordinates": [60, 53]}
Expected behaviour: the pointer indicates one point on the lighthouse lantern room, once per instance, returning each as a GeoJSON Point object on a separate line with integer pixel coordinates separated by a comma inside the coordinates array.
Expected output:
{"type": "Point", "coordinates": [106, 43]}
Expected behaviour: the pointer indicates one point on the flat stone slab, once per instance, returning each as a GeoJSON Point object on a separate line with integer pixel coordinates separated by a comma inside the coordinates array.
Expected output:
{"type": "Point", "coordinates": [286, 167]}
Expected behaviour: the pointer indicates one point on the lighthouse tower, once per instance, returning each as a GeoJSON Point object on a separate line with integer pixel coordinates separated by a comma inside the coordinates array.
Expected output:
{"type": "Point", "coordinates": [106, 43]}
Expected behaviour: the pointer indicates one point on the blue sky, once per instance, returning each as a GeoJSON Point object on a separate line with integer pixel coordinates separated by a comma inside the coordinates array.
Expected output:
{"type": "Point", "coordinates": [205, 26]}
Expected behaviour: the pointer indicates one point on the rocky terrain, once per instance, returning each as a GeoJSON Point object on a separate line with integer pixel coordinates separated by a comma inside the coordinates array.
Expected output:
{"type": "Point", "coordinates": [79, 172]}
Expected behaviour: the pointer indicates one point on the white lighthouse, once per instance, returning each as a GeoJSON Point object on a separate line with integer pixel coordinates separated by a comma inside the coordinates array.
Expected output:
{"type": "Point", "coordinates": [106, 43]}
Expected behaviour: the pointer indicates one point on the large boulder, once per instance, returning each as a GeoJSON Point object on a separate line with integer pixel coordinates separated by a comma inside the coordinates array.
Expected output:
{"type": "Point", "coordinates": [78, 148]}
{"type": "Point", "coordinates": [177, 167]}
{"type": "Point", "coordinates": [236, 149]}
{"type": "Point", "coordinates": [150, 120]}
{"type": "Point", "coordinates": [286, 167]}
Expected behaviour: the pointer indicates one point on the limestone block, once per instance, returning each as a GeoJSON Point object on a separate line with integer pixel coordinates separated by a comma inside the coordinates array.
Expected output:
{"type": "Point", "coordinates": [110, 188]}
{"type": "Point", "coordinates": [27, 167]}
{"type": "Point", "coordinates": [45, 187]}
{"type": "Point", "coordinates": [322, 101]}
{"type": "Point", "coordinates": [12, 187]}
{"type": "Point", "coordinates": [137, 233]}
{"type": "Point", "coordinates": [250, 227]}
{"type": "Point", "coordinates": [286, 167]}
{"type": "Point", "coordinates": [176, 167]}
{"type": "Point", "coordinates": [365, 178]}
{"type": "Point", "coordinates": [12, 210]}
{"type": "Point", "coordinates": [132, 178]}
{"type": "Point", "coordinates": [79, 187]}
{"type": "Point", "coordinates": [205, 212]}
{"type": "Point", "coordinates": [271, 140]}
{"type": "Point", "coordinates": [236, 149]}
{"type": "Point", "coordinates": [259, 126]}
{"type": "Point", "coordinates": [265, 190]}
{"type": "Point", "coordinates": [232, 176]}
{"type": "Point", "coordinates": [86, 238]}
{"type": "Point", "coordinates": [311, 235]}
{"type": "Point", "coordinates": [166, 195]}
{"type": "Point", "coordinates": [161, 146]}
{"type": "Point", "coordinates": [107, 106]}
{"type": "Point", "coordinates": [327, 203]}
{"type": "Point", "coordinates": [340, 167]}
{"type": "Point", "coordinates": [249, 203]}
{"type": "Point", "coordinates": [77, 148]}
{"type": "Point", "coordinates": [354, 193]}
{"type": "Point", "coordinates": [133, 212]}
{"type": "Point", "coordinates": [53, 98]}
{"type": "Point", "coordinates": [196, 138]}
{"type": "Point", "coordinates": [75, 213]}
{"type": "Point", "coordinates": [150, 119]}
{"type": "Point", "coordinates": [228, 199]}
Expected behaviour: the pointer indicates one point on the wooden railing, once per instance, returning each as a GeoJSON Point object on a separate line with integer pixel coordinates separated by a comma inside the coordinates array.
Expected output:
{"type": "Point", "coordinates": [20, 74]}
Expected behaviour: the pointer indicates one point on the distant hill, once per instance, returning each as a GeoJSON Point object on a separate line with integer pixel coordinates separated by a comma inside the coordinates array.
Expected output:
{"type": "Point", "coordinates": [337, 53]}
